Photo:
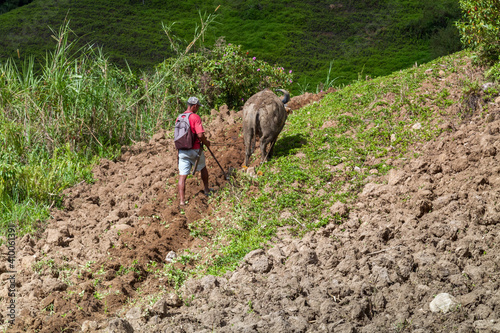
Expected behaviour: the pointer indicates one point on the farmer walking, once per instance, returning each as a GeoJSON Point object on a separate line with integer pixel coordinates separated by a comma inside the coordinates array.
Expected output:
{"type": "Point", "coordinates": [189, 139]}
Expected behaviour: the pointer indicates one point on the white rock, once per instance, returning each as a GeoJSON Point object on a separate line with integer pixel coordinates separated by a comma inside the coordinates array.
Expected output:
{"type": "Point", "coordinates": [88, 326]}
{"type": "Point", "coordinates": [133, 314]}
{"type": "Point", "coordinates": [443, 302]}
{"type": "Point", "coordinates": [170, 256]}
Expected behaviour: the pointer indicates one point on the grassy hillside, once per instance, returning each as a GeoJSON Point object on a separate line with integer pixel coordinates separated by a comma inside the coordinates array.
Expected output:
{"type": "Point", "coordinates": [370, 38]}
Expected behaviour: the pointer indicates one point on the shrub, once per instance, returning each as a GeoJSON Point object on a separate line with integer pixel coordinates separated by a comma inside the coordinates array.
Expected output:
{"type": "Point", "coordinates": [479, 27]}
{"type": "Point", "coordinates": [222, 75]}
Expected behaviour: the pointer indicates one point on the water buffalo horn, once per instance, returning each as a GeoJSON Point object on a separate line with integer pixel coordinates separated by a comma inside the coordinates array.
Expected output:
{"type": "Point", "coordinates": [287, 95]}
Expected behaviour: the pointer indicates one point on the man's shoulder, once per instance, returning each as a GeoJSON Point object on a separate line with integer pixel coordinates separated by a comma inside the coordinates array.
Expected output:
{"type": "Point", "coordinates": [194, 117]}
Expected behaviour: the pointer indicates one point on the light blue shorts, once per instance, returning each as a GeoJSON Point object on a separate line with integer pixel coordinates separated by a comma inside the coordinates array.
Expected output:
{"type": "Point", "coordinates": [187, 159]}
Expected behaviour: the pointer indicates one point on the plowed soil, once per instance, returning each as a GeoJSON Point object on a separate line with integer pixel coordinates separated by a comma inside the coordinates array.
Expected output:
{"type": "Point", "coordinates": [430, 226]}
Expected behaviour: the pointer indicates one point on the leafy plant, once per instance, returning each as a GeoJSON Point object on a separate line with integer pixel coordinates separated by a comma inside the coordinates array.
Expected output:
{"type": "Point", "coordinates": [493, 73]}
{"type": "Point", "coordinates": [222, 75]}
{"type": "Point", "coordinates": [479, 27]}
{"type": "Point", "coordinates": [175, 276]}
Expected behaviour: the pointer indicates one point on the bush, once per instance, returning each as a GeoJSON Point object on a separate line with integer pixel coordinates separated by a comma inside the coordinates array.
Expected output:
{"type": "Point", "coordinates": [479, 27]}
{"type": "Point", "coordinates": [223, 75]}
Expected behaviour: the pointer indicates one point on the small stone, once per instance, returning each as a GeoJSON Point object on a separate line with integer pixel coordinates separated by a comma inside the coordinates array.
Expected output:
{"type": "Point", "coordinates": [487, 85]}
{"type": "Point", "coordinates": [396, 177]}
{"type": "Point", "coordinates": [487, 325]}
{"type": "Point", "coordinates": [173, 300]}
{"type": "Point", "coordinates": [121, 227]}
{"type": "Point", "coordinates": [155, 320]}
{"type": "Point", "coordinates": [134, 314]}
{"type": "Point", "coordinates": [171, 256]}
{"type": "Point", "coordinates": [120, 326]}
{"type": "Point", "coordinates": [160, 308]}
{"type": "Point", "coordinates": [88, 326]}
{"type": "Point", "coordinates": [259, 261]}
{"type": "Point", "coordinates": [251, 172]}
{"type": "Point", "coordinates": [443, 302]}
{"type": "Point", "coordinates": [54, 237]}
{"type": "Point", "coordinates": [28, 261]}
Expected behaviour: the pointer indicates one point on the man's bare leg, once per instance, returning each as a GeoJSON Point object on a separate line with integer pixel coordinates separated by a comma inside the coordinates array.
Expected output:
{"type": "Point", "coordinates": [182, 189]}
{"type": "Point", "coordinates": [204, 178]}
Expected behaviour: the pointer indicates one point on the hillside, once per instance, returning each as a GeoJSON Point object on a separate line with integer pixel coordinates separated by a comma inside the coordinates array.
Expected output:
{"type": "Point", "coordinates": [381, 196]}
{"type": "Point", "coordinates": [359, 38]}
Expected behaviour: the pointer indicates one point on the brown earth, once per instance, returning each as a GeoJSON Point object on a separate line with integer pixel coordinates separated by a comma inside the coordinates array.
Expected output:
{"type": "Point", "coordinates": [430, 226]}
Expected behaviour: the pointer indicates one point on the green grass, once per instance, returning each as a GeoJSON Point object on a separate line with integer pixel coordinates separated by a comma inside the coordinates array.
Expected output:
{"type": "Point", "coordinates": [30, 189]}
{"type": "Point", "coordinates": [373, 37]}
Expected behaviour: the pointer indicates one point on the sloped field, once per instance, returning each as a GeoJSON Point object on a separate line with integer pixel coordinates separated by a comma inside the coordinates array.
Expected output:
{"type": "Point", "coordinates": [427, 226]}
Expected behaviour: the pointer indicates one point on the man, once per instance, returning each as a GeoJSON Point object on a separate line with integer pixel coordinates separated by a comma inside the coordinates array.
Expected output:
{"type": "Point", "coordinates": [188, 157]}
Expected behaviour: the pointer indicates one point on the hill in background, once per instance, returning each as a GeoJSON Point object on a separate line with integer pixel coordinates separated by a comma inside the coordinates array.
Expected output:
{"type": "Point", "coordinates": [371, 38]}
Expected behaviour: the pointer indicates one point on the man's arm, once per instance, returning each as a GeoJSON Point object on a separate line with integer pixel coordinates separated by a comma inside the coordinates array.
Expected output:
{"type": "Point", "coordinates": [204, 139]}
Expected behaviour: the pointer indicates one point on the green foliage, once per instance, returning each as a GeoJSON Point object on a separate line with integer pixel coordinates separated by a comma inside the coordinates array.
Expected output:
{"type": "Point", "coordinates": [479, 27]}
{"type": "Point", "coordinates": [78, 98]}
{"type": "Point", "coordinates": [123, 270]}
{"type": "Point", "coordinates": [56, 123]}
{"type": "Point", "coordinates": [493, 73]}
{"type": "Point", "coordinates": [175, 276]}
{"type": "Point", "coordinates": [223, 75]}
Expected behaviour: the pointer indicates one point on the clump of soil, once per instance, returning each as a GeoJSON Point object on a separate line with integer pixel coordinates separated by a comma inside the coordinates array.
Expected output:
{"type": "Point", "coordinates": [430, 226]}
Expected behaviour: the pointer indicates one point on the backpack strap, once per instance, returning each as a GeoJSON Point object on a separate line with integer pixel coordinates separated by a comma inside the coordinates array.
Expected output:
{"type": "Point", "coordinates": [182, 114]}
